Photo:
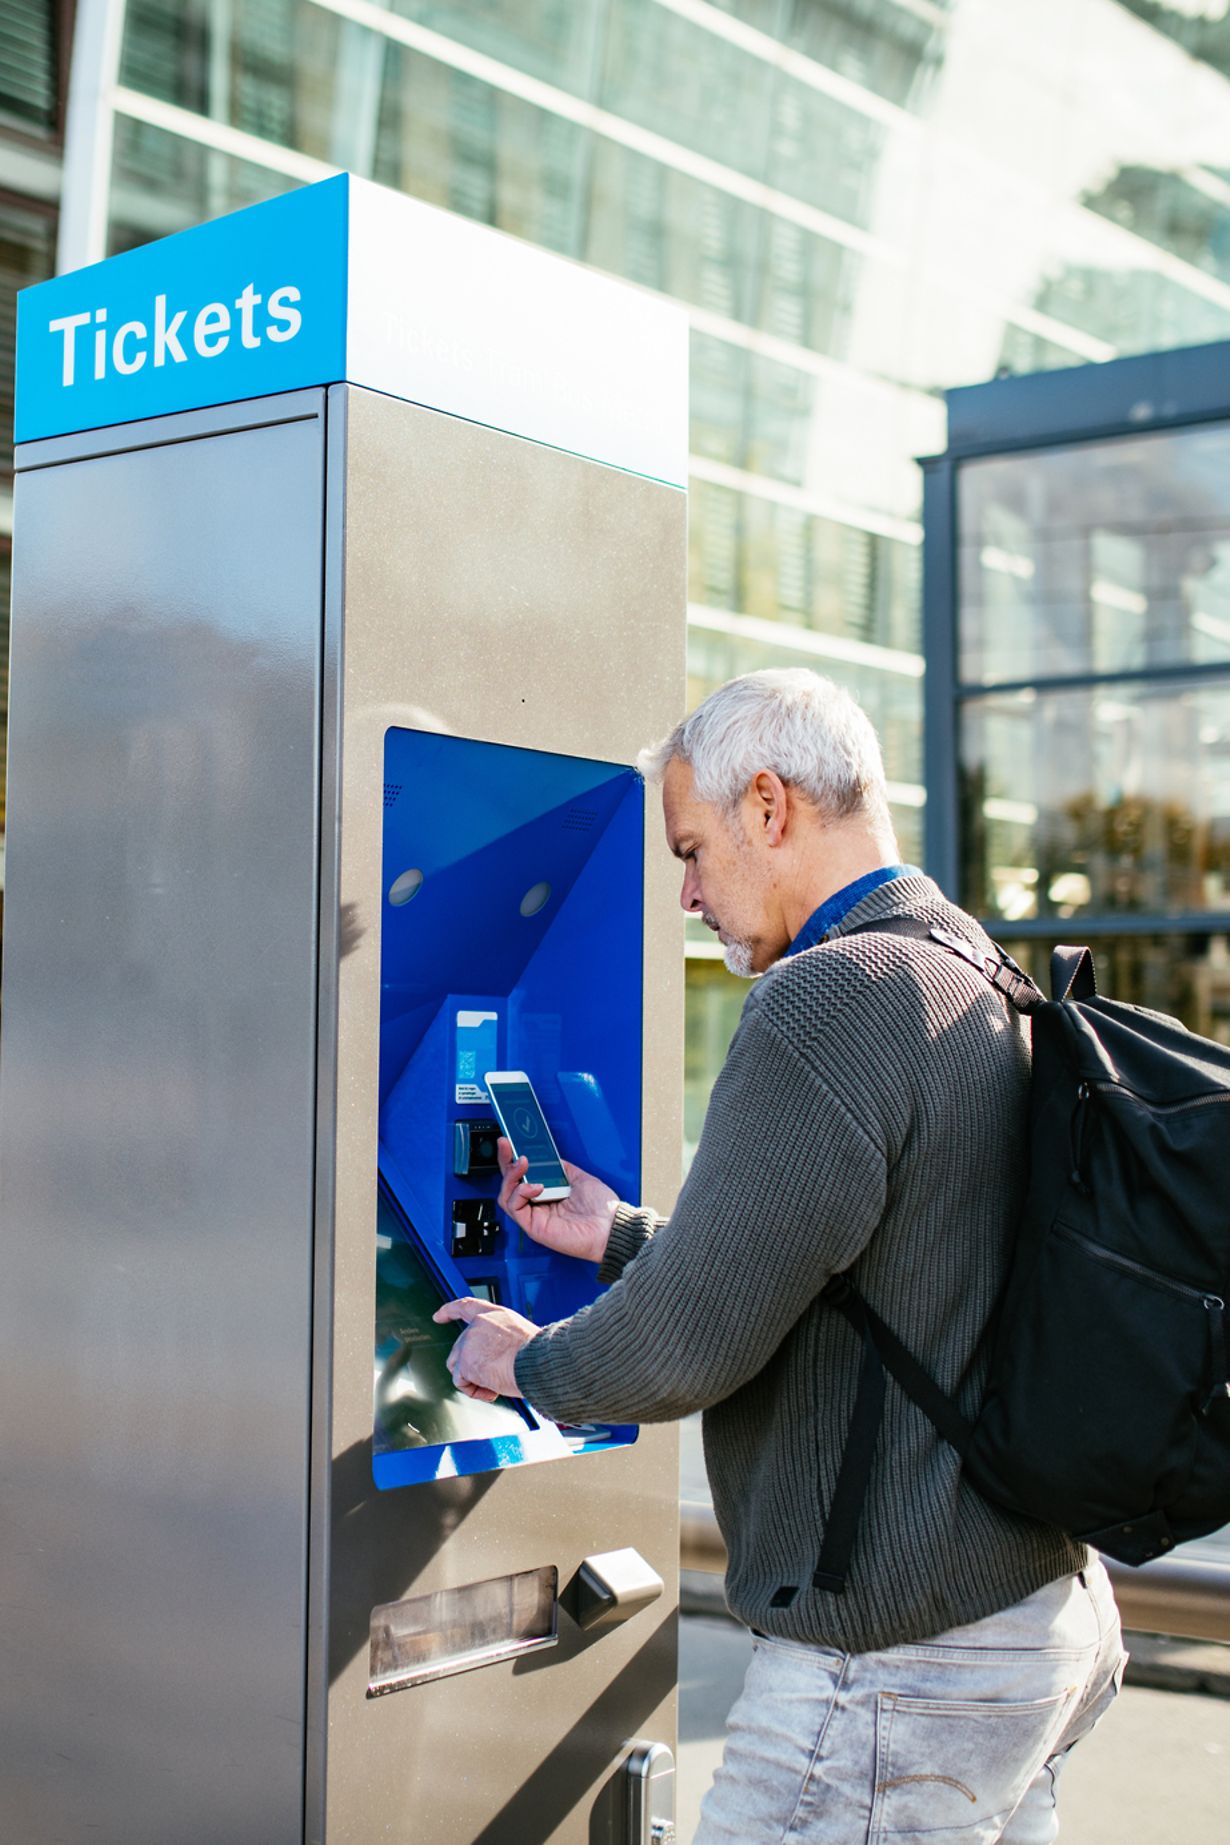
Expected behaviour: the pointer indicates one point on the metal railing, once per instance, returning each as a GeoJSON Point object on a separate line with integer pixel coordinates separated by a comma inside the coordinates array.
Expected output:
{"type": "Point", "coordinates": [1186, 1596]}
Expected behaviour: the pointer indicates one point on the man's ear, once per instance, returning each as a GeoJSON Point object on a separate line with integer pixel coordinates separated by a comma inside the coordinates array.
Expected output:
{"type": "Point", "coordinates": [771, 806]}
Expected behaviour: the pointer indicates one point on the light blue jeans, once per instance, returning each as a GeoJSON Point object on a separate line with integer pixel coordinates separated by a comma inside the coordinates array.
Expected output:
{"type": "Point", "coordinates": [955, 1741]}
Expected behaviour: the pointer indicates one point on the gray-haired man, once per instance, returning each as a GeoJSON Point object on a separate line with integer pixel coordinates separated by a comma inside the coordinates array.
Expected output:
{"type": "Point", "coordinates": [870, 1116]}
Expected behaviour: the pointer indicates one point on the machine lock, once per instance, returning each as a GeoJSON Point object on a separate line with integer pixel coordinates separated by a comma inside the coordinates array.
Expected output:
{"type": "Point", "coordinates": [650, 1808]}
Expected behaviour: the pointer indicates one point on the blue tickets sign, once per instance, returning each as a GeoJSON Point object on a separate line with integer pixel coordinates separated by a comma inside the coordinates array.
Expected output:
{"type": "Point", "coordinates": [248, 305]}
{"type": "Point", "coordinates": [344, 280]}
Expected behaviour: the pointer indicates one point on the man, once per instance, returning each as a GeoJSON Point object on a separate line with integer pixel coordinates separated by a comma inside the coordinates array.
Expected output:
{"type": "Point", "coordinates": [870, 1116]}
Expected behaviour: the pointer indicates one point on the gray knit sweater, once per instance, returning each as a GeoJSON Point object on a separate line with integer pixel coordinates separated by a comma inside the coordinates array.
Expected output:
{"type": "Point", "coordinates": [870, 1115]}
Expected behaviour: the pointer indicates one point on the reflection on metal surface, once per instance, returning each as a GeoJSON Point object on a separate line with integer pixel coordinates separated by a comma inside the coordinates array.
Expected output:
{"type": "Point", "coordinates": [157, 1128]}
{"type": "Point", "coordinates": [456, 1630]}
{"type": "Point", "coordinates": [613, 1586]}
{"type": "Point", "coordinates": [650, 1769]}
{"type": "Point", "coordinates": [1186, 1595]}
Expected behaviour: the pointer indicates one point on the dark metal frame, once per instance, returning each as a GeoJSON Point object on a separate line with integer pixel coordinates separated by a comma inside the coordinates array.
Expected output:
{"type": "Point", "coordinates": [1010, 416]}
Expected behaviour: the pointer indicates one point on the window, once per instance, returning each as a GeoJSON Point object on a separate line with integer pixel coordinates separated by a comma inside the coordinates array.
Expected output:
{"type": "Point", "coordinates": [30, 65]}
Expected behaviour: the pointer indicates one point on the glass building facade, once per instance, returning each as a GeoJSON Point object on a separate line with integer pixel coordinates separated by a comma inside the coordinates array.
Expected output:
{"type": "Point", "coordinates": [860, 202]}
{"type": "Point", "coordinates": [1091, 708]}
{"type": "Point", "coordinates": [34, 44]}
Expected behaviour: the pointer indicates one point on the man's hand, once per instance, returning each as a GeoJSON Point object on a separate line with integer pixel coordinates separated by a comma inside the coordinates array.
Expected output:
{"type": "Point", "coordinates": [482, 1362]}
{"type": "Point", "coordinates": [575, 1226]}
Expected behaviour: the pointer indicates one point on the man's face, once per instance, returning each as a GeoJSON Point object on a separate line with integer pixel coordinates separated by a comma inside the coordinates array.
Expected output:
{"type": "Point", "coordinates": [727, 872]}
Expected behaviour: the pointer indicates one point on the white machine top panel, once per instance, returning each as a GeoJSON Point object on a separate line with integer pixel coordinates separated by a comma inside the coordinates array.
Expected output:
{"type": "Point", "coordinates": [349, 281]}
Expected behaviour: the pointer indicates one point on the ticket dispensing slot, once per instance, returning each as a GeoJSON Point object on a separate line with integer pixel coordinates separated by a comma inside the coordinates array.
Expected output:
{"type": "Point", "coordinates": [511, 939]}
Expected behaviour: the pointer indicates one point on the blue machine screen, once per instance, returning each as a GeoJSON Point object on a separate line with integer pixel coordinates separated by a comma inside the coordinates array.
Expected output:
{"type": "Point", "coordinates": [416, 1406]}
{"type": "Point", "coordinates": [511, 939]}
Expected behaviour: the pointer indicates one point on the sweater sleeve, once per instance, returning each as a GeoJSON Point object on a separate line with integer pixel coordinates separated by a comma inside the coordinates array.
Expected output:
{"type": "Point", "coordinates": [785, 1189]}
{"type": "Point", "coordinates": [631, 1229]}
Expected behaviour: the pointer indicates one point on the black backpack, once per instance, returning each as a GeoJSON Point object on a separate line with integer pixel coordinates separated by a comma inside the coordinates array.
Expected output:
{"type": "Point", "coordinates": [1107, 1409]}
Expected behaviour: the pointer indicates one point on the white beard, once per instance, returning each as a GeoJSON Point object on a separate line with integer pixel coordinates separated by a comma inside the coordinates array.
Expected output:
{"type": "Point", "coordinates": [738, 958]}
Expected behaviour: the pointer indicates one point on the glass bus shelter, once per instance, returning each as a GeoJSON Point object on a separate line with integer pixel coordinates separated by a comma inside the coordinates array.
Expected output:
{"type": "Point", "coordinates": [1077, 632]}
{"type": "Point", "coordinates": [1077, 635]}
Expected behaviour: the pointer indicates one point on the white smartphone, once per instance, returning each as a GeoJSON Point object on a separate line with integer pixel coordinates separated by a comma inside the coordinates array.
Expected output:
{"type": "Point", "coordinates": [521, 1118]}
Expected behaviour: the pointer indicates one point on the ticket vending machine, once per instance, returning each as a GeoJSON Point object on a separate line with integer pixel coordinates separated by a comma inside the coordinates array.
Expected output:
{"type": "Point", "coordinates": [348, 582]}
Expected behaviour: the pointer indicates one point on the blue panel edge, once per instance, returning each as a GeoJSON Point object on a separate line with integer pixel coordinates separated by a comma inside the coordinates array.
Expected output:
{"type": "Point", "coordinates": [411, 1466]}
{"type": "Point", "coordinates": [454, 1459]}
{"type": "Point", "coordinates": [569, 779]}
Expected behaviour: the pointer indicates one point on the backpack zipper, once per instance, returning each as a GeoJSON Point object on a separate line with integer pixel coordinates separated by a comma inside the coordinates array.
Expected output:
{"type": "Point", "coordinates": [1078, 1125]}
{"type": "Point", "coordinates": [1138, 1268]}
{"type": "Point", "coordinates": [1078, 1130]}
{"type": "Point", "coordinates": [1213, 1304]}
{"type": "Point", "coordinates": [1158, 1108]}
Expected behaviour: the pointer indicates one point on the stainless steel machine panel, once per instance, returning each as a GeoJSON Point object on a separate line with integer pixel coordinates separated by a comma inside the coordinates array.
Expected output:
{"type": "Point", "coordinates": [157, 1119]}
{"type": "Point", "coordinates": [215, 1629]}
{"type": "Point", "coordinates": [498, 590]}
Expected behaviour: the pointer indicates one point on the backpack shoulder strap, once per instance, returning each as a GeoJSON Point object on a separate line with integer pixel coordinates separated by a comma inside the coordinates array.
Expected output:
{"type": "Point", "coordinates": [882, 1351]}
{"type": "Point", "coordinates": [1000, 969]}
{"type": "Point", "coordinates": [918, 1384]}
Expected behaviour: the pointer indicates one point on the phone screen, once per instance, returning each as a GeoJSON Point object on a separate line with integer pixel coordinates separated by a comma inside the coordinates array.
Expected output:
{"type": "Point", "coordinates": [522, 1120]}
